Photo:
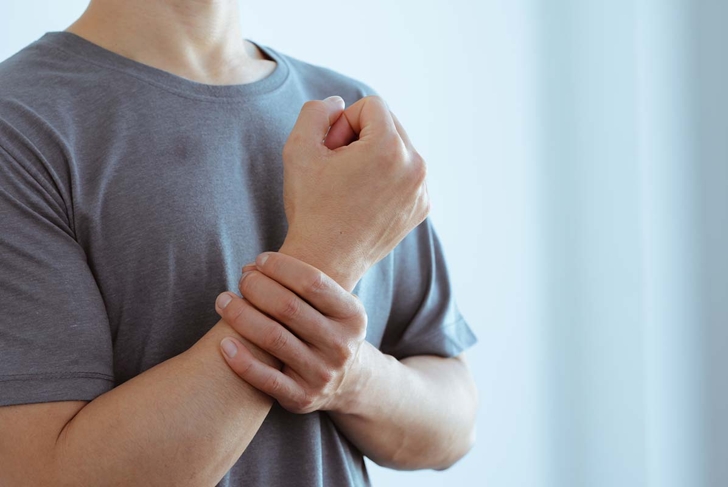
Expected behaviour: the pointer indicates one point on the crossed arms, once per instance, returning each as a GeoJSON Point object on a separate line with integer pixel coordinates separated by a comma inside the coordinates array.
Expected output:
{"type": "Point", "coordinates": [187, 420]}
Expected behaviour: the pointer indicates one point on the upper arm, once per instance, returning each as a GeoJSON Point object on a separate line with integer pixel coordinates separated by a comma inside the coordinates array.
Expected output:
{"type": "Point", "coordinates": [451, 370]}
{"type": "Point", "coordinates": [55, 340]}
{"type": "Point", "coordinates": [424, 319]}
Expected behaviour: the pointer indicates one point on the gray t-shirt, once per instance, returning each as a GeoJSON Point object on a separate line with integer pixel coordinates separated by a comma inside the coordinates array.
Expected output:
{"type": "Point", "coordinates": [131, 197]}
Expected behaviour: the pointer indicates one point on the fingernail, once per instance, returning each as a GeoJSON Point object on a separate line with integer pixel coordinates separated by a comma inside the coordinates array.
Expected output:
{"type": "Point", "coordinates": [223, 300]}
{"type": "Point", "coordinates": [248, 265]}
{"type": "Point", "coordinates": [260, 260]}
{"type": "Point", "coordinates": [335, 100]}
{"type": "Point", "coordinates": [228, 346]}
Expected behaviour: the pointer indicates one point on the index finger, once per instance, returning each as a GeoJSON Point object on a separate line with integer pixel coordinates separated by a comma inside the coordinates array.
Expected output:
{"type": "Point", "coordinates": [370, 116]}
{"type": "Point", "coordinates": [402, 134]}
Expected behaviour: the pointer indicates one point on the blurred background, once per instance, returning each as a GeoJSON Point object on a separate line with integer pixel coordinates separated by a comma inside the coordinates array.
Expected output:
{"type": "Point", "coordinates": [578, 155]}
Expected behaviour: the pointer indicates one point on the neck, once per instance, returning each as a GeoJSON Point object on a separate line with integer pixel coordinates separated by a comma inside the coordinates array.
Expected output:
{"type": "Point", "coordinates": [199, 40]}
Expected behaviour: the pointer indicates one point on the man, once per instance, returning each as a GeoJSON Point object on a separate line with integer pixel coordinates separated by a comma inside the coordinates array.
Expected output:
{"type": "Point", "coordinates": [140, 170]}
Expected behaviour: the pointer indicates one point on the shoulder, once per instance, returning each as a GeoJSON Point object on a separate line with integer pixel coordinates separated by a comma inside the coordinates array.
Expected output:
{"type": "Point", "coordinates": [45, 92]}
{"type": "Point", "coordinates": [15, 70]}
{"type": "Point", "coordinates": [40, 97]}
{"type": "Point", "coordinates": [42, 90]}
{"type": "Point", "coordinates": [322, 80]}
{"type": "Point", "coordinates": [37, 73]}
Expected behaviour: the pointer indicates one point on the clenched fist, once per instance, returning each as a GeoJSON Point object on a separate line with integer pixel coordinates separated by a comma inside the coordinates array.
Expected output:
{"type": "Point", "coordinates": [354, 186]}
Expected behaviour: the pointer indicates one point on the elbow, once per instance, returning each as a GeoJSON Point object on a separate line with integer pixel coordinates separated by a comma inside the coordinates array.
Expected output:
{"type": "Point", "coordinates": [406, 456]}
{"type": "Point", "coordinates": [461, 444]}
{"type": "Point", "coordinates": [438, 457]}
{"type": "Point", "coordinates": [459, 450]}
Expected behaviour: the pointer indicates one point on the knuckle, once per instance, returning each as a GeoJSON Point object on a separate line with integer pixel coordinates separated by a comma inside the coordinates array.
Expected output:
{"type": "Point", "coordinates": [419, 168]}
{"type": "Point", "coordinates": [292, 147]}
{"type": "Point", "coordinates": [318, 391]}
{"type": "Point", "coordinates": [290, 307]}
{"type": "Point", "coordinates": [237, 316]}
{"type": "Point", "coordinates": [273, 265]}
{"type": "Point", "coordinates": [358, 310]}
{"type": "Point", "coordinates": [314, 105]}
{"type": "Point", "coordinates": [304, 403]}
{"type": "Point", "coordinates": [342, 352]}
{"type": "Point", "coordinates": [272, 385]}
{"type": "Point", "coordinates": [392, 150]}
{"type": "Point", "coordinates": [276, 339]}
{"type": "Point", "coordinates": [247, 284]}
{"type": "Point", "coordinates": [426, 207]}
{"type": "Point", "coordinates": [356, 314]}
{"type": "Point", "coordinates": [242, 369]}
{"type": "Point", "coordinates": [372, 101]}
{"type": "Point", "coordinates": [360, 326]}
{"type": "Point", "coordinates": [325, 375]}
{"type": "Point", "coordinates": [316, 285]}
{"type": "Point", "coordinates": [377, 101]}
{"type": "Point", "coordinates": [289, 149]}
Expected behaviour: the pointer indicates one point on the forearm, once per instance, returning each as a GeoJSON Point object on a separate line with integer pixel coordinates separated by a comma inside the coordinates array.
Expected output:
{"type": "Point", "coordinates": [414, 414]}
{"type": "Point", "coordinates": [183, 422]}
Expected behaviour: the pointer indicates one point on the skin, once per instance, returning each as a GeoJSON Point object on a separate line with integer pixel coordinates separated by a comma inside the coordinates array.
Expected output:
{"type": "Point", "coordinates": [187, 420]}
{"type": "Point", "coordinates": [410, 414]}
{"type": "Point", "coordinates": [407, 414]}
{"type": "Point", "coordinates": [200, 40]}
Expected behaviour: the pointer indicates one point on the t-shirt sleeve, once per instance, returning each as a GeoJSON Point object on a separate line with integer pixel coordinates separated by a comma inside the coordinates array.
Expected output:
{"type": "Point", "coordinates": [55, 341]}
{"type": "Point", "coordinates": [424, 319]}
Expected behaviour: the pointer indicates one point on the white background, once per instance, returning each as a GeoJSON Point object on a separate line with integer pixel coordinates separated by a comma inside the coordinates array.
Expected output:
{"type": "Point", "coordinates": [578, 166]}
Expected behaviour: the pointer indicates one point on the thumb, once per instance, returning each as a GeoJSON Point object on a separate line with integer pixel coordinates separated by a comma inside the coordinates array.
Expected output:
{"type": "Point", "coordinates": [315, 119]}
{"type": "Point", "coordinates": [340, 134]}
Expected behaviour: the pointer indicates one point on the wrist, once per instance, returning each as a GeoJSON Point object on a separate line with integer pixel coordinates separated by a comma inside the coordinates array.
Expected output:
{"type": "Point", "coordinates": [345, 269]}
{"type": "Point", "coordinates": [348, 399]}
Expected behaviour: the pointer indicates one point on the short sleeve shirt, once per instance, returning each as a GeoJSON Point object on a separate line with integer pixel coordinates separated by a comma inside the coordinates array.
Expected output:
{"type": "Point", "coordinates": [131, 197]}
